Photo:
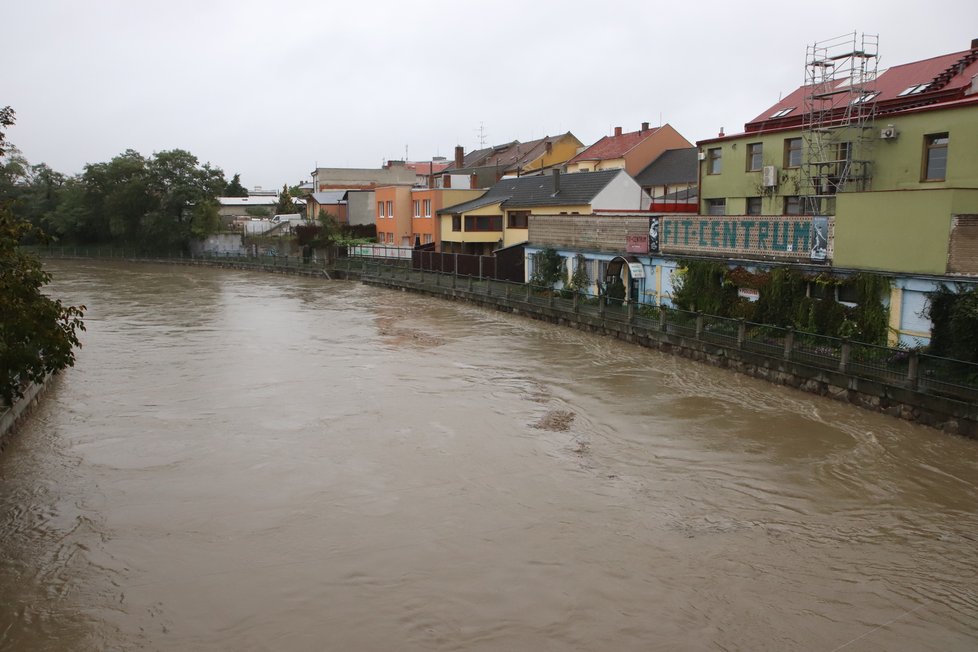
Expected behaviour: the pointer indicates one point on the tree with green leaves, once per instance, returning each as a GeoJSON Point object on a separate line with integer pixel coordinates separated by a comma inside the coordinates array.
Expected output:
{"type": "Point", "coordinates": [38, 334]}
{"type": "Point", "coordinates": [548, 268]}
{"type": "Point", "coordinates": [285, 205]}
{"type": "Point", "coordinates": [234, 188]}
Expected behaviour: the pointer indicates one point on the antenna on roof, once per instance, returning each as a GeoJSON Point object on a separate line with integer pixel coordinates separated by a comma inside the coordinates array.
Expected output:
{"type": "Point", "coordinates": [481, 131]}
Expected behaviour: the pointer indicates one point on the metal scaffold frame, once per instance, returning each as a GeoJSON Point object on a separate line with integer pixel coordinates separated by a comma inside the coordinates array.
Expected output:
{"type": "Point", "coordinates": [840, 114]}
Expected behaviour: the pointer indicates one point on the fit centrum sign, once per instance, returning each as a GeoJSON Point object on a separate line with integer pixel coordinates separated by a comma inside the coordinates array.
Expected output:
{"type": "Point", "coordinates": [781, 236]}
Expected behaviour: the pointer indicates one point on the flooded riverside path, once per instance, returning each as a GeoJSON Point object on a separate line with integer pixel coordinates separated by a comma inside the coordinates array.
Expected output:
{"type": "Point", "coordinates": [253, 462]}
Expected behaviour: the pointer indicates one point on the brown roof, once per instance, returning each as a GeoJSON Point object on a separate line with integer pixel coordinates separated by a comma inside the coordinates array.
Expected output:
{"type": "Point", "coordinates": [611, 147]}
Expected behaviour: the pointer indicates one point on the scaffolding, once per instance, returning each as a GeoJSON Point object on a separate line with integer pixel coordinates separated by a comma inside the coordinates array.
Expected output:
{"type": "Point", "coordinates": [840, 113]}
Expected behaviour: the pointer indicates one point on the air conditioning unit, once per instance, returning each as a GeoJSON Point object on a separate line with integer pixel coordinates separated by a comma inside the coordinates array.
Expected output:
{"type": "Point", "coordinates": [701, 156]}
{"type": "Point", "coordinates": [888, 132]}
{"type": "Point", "coordinates": [769, 176]}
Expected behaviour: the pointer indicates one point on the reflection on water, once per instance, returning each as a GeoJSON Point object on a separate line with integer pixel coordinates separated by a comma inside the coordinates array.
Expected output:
{"type": "Point", "coordinates": [259, 462]}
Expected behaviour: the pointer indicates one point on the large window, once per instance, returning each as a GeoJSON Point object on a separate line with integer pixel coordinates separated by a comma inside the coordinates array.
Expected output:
{"type": "Point", "coordinates": [792, 152]}
{"type": "Point", "coordinates": [380, 209]}
{"type": "Point", "coordinates": [754, 159]}
{"type": "Point", "coordinates": [713, 158]}
{"type": "Point", "coordinates": [518, 220]}
{"type": "Point", "coordinates": [390, 209]}
{"type": "Point", "coordinates": [753, 205]}
{"type": "Point", "coordinates": [483, 223]}
{"type": "Point", "coordinates": [417, 208]}
{"type": "Point", "coordinates": [716, 206]}
{"type": "Point", "coordinates": [935, 157]}
{"type": "Point", "coordinates": [427, 208]}
{"type": "Point", "coordinates": [456, 222]}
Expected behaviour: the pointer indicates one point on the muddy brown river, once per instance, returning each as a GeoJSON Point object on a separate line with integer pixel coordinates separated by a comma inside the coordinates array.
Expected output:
{"type": "Point", "coordinates": [242, 461]}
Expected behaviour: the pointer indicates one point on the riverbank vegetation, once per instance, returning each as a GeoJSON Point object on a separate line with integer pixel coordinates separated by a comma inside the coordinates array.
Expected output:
{"type": "Point", "coordinates": [38, 334]}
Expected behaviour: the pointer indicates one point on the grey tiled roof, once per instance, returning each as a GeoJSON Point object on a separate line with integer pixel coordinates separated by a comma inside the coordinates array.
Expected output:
{"type": "Point", "coordinates": [472, 204]}
{"type": "Point", "coordinates": [575, 189]}
{"type": "Point", "coordinates": [672, 166]}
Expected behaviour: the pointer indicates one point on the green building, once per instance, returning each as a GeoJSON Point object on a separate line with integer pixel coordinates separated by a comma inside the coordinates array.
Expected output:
{"type": "Point", "coordinates": [882, 164]}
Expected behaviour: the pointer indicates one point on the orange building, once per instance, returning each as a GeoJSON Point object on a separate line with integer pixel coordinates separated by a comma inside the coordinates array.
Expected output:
{"type": "Point", "coordinates": [393, 214]}
{"type": "Point", "coordinates": [425, 203]}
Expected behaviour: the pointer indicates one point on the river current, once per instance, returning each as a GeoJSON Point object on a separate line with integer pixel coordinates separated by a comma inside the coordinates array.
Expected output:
{"type": "Point", "coordinates": [242, 461]}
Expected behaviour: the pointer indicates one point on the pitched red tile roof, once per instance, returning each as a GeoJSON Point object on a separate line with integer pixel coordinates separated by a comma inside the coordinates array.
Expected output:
{"type": "Point", "coordinates": [946, 78]}
{"type": "Point", "coordinates": [611, 147]}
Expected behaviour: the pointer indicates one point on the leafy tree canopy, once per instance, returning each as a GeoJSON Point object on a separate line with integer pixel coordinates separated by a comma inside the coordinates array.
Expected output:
{"type": "Point", "coordinates": [234, 188]}
{"type": "Point", "coordinates": [38, 334]}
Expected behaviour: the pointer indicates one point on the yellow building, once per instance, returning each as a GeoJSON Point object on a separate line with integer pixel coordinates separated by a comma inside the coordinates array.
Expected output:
{"type": "Point", "coordinates": [500, 217]}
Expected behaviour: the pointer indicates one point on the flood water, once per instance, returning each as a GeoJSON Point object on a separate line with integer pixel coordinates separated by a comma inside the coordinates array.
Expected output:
{"type": "Point", "coordinates": [256, 462]}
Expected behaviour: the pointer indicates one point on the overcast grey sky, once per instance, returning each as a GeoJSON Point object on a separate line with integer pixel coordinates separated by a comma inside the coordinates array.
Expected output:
{"type": "Point", "coordinates": [270, 89]}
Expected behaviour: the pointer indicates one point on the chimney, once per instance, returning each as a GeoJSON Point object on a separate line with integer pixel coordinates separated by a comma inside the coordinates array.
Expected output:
{"type": "Point", "coordinates": [446, 181]}
{"type": "Point", "coordinates": [618, 131]}
{"type": "Point", "coordinates": [720, 135]}
{"type": "Point", "coordinates": [473, 182]}
{"type": "Point", "coordinates": [645, 126]}
{"type": "Point", "coordinates": [974, 43]}
{"type": "Point", "coordinates": [556, 176]}
{"type": "Point", "coordinates": [459, 156]}
{"type": "Point", "coordinates": [550, 147]}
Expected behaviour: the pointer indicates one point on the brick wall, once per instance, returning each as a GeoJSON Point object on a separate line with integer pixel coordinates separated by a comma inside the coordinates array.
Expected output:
{"type": "Point", "coordinates": [586, 232]}
{"type": "Point", "coordinates": [963, 249]}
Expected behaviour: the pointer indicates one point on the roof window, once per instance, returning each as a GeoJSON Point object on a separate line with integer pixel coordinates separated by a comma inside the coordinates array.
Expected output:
{"type": "Point", "coordinates": [782, 112]}
{"type": "Point", "coordinates": [863, 99]}
{"type": "Point", "coordinates": [913, 90]}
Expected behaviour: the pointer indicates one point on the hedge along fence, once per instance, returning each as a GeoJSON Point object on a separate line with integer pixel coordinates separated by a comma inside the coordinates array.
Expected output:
{"type": "Point", "coordinates": [787, 298]}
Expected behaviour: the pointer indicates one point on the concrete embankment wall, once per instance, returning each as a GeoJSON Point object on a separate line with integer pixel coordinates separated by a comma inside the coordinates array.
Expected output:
{"type": "Point", "coordinates": [11, 417]}
{"type": "Point", "coordinates": [944, 413]}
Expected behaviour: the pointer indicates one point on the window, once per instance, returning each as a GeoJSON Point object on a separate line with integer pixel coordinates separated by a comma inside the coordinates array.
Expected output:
{"type": "Point", "coordinates": [913, 90]}
{"type": "Point", "coordinates": [456, 222]}
{"type": "Point", "coordinates": [782, 113]}
{"type": "Point", "coordinates": [713, 160]}
{"type": "Point", "coordinates": [753, 205]}
{"type": "Point", "coordinates": [417, 208]}
{"type": "Point", "coordinates": [380, 209]}
{"type": "Point", "coordinates": [380, 236]}
{"type": "Point", "coordinates": [427, 238]}
{"type": "Point", "coordinates": [390, 238]}
{"type": "Point", "coordinates": [483, 223]}
{"type": "Point", "coordinates": [843, 152]}
{"type": "Point", "coordinates": [863, 99]}
{"type": "Point", "coordinates": [716, 206]}
{"type": "Point", "coordinates": [390, 209]}
{"type": "Point", "coordinates": [518, 219]}
{"type": "Point", "coordinates": [427, 208]}
{"type": "Point", "coordinates": [793, 205]}
{"type": "Point", "coordinates": [935, 157]}
{"type": "Point", "coordinates": [754, 159]}
{"type": "Point", "coordinates": [792, 152]}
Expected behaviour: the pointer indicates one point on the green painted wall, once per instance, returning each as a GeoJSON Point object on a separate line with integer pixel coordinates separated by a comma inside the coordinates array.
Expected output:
{"type": "Point", "coordinates": [898, 161]}
{"type": "Point", "coordinates": [901, 223]}
{"type": "Point", "coordinates": [894, 231]}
